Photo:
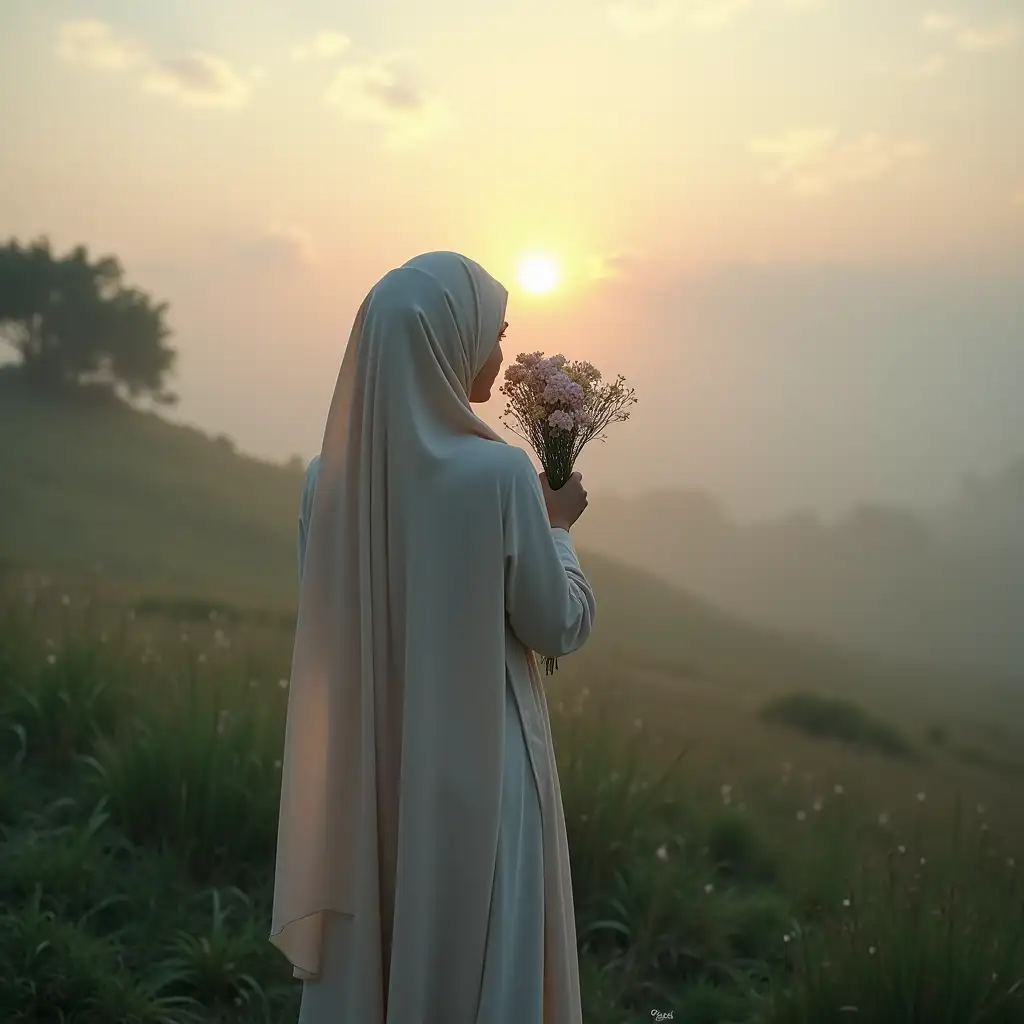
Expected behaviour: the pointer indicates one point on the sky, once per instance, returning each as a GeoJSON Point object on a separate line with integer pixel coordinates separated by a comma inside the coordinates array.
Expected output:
{"type": "Point", "coordinates": [795, 226]}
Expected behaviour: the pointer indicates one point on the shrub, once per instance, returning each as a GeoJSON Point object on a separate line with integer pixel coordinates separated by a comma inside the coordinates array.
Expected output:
{"type": "Point", "coordinates": [833, 718]}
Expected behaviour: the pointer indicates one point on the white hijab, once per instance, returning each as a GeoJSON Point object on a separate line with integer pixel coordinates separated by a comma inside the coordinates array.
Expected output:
{"type": "Point", "coordinates": [399, 413]}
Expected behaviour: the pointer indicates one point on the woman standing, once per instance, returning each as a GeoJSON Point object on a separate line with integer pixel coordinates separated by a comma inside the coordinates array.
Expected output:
{"type": "Point", "coordinates": [422, 865]}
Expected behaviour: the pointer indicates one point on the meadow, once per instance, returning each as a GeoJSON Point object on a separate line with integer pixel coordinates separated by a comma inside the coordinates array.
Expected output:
{"type": "Point", "coordinates": [727, 867]}
{"type": "Point", "coordinates": [763, 829]}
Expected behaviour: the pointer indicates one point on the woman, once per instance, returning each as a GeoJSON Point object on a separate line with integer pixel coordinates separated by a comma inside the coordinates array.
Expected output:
{"type": "Point", "coordinates": [422, 866]}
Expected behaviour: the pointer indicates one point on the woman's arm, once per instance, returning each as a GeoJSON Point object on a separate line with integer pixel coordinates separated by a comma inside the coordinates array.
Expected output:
{"type": "Point", "coordinates": [549, 603]}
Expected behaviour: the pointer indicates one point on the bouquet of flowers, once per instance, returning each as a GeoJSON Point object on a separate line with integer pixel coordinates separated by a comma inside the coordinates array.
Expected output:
{"type": "Point", "coordinates": [557, 407]}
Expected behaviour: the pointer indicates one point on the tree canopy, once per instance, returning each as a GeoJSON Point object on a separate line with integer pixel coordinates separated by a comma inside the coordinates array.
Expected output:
{"type": "Point", "coordinates": [74, 322]}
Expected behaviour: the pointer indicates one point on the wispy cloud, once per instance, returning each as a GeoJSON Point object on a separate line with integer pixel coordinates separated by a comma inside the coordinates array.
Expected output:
{"type": "Point", "coordinates": [612, 266]}
{"type": "Point", "coordinates": [636, 17]}
{"type": "Point", "coordinates": [928, 69]}
{"type": "Point", "coordinates": [378, 93]}
{"type": "Point", "coordinates": [323, 46]}
{"type": "Point", "coordinates": [819, 162]}
{"type": "Point", "coordinates": [972, 37]}
{"type": "Point", "coordinates": [279, 247]}
{"type": "Point", "coordinates": [197, 79]}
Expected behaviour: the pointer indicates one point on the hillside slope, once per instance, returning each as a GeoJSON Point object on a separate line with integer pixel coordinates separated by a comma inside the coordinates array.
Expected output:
{"type": "Point", "coordinates": [171, 511]}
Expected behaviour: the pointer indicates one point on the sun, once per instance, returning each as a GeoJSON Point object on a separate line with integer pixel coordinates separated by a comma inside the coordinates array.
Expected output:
{"type": "Point", "coordinates": [539, 274]}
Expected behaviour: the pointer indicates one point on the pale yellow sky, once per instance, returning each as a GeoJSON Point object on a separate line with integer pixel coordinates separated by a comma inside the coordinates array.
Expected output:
{"type": "Point", "coordinates": [796, 225]}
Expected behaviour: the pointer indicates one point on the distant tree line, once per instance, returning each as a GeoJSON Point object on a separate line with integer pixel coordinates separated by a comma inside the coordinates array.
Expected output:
{"type": "Point", "coordinates": [74, 324]}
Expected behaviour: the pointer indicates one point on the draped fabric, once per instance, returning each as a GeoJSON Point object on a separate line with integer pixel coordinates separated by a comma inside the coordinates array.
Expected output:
{"type": "Point", "coordinates": [429, 573]}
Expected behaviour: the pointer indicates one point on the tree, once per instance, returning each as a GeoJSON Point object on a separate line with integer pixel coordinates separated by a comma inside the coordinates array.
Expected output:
{"type": "Point", "coordinates": [73, 322]}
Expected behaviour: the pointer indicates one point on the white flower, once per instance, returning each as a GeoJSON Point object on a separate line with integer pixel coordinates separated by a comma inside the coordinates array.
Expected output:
{"type": "Point", "coordinates": [801, 815]}
{"type": "Point", "coordinates": [51, 659]}
{"type": "Point", "coordinates": [65, 600]}
{"type": "Point", "coordinates": [838, 789]}
{"type": "Point", "coordinates": [921, 798]}
{"type": "Point", "coordinates": [901, 848]}
{"type": "Point", "coordinates": [818, 804]}
{"type": "Point", "coordinates": [283, 683]}
{"type": "Point", "coordinates": [846, 902]}
{"type": "Point", "coordinates": [709, 888]}
{"type": "Point", "coordinates": [662, 852]}
{"type": "Point", "coordinates": [871, 950]}
{"type": "Point", "coordinates": [786, 937]}
{"type": "Point", "coordinates": [277, 763]}
{"type": "Point", "coordinates": [924, 860]}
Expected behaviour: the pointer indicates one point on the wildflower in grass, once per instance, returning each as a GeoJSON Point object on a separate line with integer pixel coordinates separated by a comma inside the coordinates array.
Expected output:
{"type": "Point", "coordinates": [801, 815]}
{"type": "Point", "coordinates": [924, 860]}
{"type": "Point", "coordinates": [662, 852]}
{"type": "Point", "coordinates": [709, 888]}
{"type": "Point", "coordinates": [901, 848]}
{"type": "Point", "coordinates": [871, 950]}
{"type": "Point", "coordinates": [846, 902]}
{"type": "Point", "coordinates": [51, 659]}
{"type": "Point", "coordinates": [283, 683]}
{"type": "Point", "coordinates": [787, 938]}
{"type": "Point", "coordinates": [921, 798]}
{"type": "Point", "coordinates": [818, 804]}
{"type": "Point", "coordinates": [838, 789]}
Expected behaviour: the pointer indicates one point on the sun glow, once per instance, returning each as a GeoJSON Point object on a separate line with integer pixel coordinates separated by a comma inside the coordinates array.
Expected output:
{"type": "Point", "coordinates": [539, 274]}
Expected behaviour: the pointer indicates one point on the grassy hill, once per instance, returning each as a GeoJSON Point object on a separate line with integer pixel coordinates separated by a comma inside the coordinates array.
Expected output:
{"type": "Point", "coordinates": [170, 511]}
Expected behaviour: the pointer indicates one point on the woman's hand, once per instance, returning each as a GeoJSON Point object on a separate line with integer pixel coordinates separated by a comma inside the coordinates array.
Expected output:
{"type": "Point", "coordinates": [566, 504]}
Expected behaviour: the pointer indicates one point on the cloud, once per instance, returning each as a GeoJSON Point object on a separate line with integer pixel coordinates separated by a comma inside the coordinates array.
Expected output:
{"type": "Point", "coordinates": [637, 19]}
{"type": "Point", "coordinates": [279, 247]}
{"type": "Point", "coordinates": [719, 13]}
{"type": "Point", "coordinates": [97, 45]}
{"type": "Point", "coordinates": [197, 79]}
{"type": "Point", "coordinates": [973, 38]}
{"type": "Point", "coordinates": [818, 162]}
{"type": "Point", "coordinates": [323, 46]}
{"type": "Point", "coordinates": [928, 69]}
{"type": "Point", "coordinates": [377, 93]}
{"type": "Point", "coordinates": [612, 266]}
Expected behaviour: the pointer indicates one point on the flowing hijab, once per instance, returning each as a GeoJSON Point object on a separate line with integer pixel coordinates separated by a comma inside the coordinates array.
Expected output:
{"type": "Point", "coordinates": [400, 413]}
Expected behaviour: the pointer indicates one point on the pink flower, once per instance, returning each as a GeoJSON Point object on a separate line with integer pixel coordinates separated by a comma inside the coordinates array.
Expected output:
{"type": "Point", "coordinates": [561, 420]}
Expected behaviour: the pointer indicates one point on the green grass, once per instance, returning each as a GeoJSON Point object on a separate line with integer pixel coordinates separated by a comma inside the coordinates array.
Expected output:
{"type": "Point", "coordinates": [139, 819]}
{"type": "Point", "coordinates": [724, 869]}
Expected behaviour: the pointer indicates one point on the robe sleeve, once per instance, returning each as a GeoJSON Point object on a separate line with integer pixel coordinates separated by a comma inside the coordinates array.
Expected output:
{"type": "Point", "coordinates": [306, 510]}
{"type": "Point", "coordinates": [548, 601]}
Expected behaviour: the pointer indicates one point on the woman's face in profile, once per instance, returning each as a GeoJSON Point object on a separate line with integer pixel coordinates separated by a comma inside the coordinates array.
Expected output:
{"type": "Point", "coordinates": [481, 390]}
